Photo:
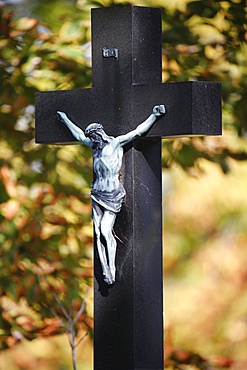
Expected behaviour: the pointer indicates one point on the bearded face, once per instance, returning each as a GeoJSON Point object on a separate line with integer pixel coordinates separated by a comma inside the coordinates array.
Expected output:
{"type": "Point", "coordinates": [94, 136]}
{"type": "Point", "coordinates": [97, 135]}
{"type": "Point", "coordinates": [97, 139]}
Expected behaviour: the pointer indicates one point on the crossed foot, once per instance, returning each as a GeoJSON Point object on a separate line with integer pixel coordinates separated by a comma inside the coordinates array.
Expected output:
{"type": "Point", "coordinates": [109, 275]}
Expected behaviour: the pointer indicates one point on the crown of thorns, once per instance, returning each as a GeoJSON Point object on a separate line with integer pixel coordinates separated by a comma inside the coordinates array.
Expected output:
{"type": "Point", "coordinates": [93, 127]}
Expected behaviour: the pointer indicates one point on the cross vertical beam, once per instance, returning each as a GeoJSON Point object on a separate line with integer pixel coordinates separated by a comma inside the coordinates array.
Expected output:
{"type": "Point", "coordinates": [129, 316]}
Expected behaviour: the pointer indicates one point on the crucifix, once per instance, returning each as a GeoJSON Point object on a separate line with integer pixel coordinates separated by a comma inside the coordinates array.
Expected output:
{"type": "Point", "coordinates": [126, 86]}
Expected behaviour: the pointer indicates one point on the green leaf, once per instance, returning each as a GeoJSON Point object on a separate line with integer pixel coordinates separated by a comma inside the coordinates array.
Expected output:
{"type": "Point", "coordinates": [72, 31]}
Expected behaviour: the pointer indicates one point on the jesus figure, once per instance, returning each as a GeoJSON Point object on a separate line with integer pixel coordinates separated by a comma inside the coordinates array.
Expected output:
{"type": "Point", "coordinates": [107, 191]}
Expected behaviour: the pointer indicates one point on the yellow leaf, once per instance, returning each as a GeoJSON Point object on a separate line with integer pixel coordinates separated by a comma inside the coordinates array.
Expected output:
{"type": "Point", "coordinates": [25, 24]}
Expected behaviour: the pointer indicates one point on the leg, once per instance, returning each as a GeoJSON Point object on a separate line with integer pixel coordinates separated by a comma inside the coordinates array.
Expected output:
{"type": "Point", "coordinates": [97, 219]}
{"type": "Point", "coordinates": [107, 224]}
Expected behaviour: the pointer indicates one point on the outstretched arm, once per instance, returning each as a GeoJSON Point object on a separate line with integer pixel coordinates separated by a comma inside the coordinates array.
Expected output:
{"type": "Point", "coordinates": [141, 129]}
{"type": "Point", "coordinates": [75, 130]}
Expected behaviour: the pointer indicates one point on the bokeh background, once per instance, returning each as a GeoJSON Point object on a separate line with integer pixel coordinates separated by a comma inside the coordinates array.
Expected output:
{"type": "Point", "coordinates": [45, 225]}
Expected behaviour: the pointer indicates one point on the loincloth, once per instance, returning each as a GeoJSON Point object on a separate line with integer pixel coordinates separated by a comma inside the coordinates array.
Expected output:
{"type": "Point", "coordinates": [110, 200]}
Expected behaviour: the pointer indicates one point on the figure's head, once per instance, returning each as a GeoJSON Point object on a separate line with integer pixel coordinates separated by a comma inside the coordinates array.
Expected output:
{"type": "Point", "coordinates": [95, 132]}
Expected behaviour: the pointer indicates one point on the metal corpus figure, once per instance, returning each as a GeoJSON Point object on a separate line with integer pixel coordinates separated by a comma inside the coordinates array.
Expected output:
{"type": "Point", "coordinates": [107, 191]}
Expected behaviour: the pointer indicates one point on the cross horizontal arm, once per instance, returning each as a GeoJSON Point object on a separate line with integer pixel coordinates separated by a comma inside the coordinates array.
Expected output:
{"type": "Point", "coordinates": [192, 108]}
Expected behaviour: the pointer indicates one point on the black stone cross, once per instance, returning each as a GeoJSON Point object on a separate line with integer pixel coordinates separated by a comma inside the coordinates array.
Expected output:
{"type": "Point", "coordinates": [126, 52]}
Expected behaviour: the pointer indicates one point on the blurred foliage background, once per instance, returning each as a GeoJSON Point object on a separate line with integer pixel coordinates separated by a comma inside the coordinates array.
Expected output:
{"type": "Point", "coordinates": [45, 225]}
